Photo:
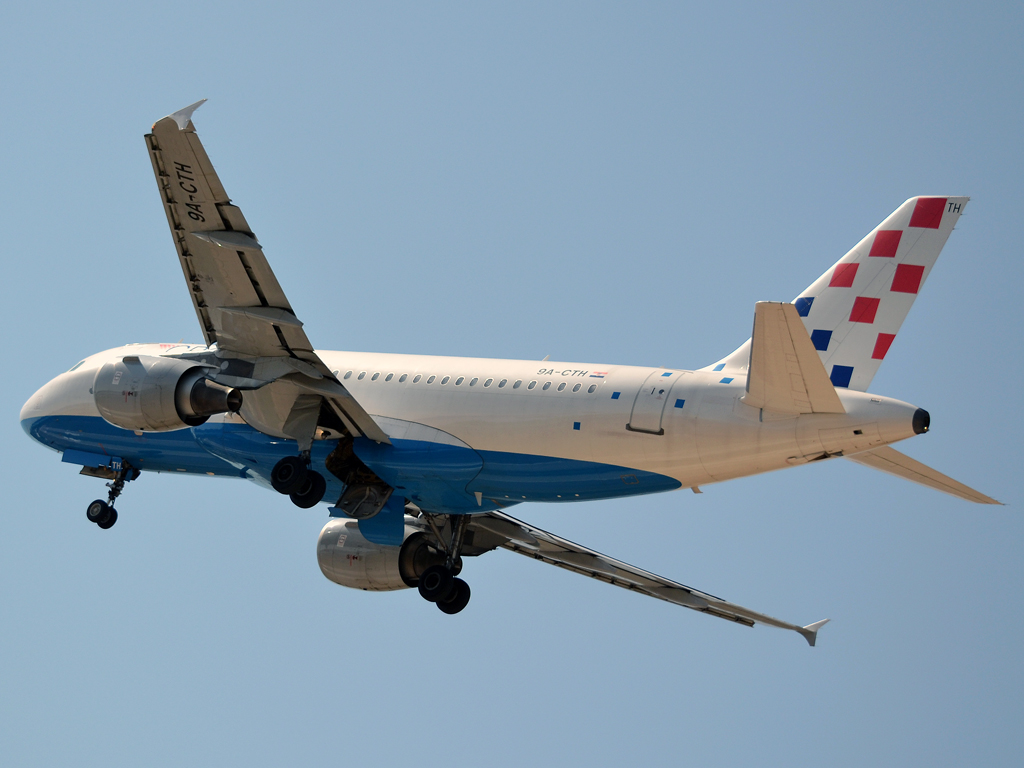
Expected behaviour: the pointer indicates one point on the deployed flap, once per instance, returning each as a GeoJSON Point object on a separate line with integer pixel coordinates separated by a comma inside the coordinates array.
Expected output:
{"type": "Point", "coordinates": [895, 463]}
{"type": "Point", "coordinates": [519, 537]}
{"type": "Point", "coordinates": [786, 375]}
{"type": "Point", "coordinates": [238, 300]}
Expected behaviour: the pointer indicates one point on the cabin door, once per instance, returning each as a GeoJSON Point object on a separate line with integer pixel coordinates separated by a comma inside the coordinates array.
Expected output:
{"type": "Point", "coordinates": [650, 401]}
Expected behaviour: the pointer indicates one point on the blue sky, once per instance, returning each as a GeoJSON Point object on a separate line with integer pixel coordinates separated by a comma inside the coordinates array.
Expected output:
{"type": "Point", "coordinates": [597, 182]}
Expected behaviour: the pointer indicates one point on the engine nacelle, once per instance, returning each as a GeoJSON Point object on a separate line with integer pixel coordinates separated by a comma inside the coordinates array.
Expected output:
{"type": "Point", "coordinates": [146, 393]}
{"type": "Point", "coordinates": [346, 557]}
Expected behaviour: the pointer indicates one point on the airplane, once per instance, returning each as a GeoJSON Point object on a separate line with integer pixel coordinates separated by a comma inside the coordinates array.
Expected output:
{"type": "Point", "coordinates": [422, 456]}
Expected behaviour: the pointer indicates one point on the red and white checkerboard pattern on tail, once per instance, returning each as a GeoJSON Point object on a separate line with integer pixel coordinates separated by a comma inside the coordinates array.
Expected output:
{"type": "Point", "coordinates": [854, 311]}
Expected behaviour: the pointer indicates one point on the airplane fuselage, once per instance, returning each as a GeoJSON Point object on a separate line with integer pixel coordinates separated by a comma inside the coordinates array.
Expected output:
{"type": "Point", "coordinates": [473, 434]}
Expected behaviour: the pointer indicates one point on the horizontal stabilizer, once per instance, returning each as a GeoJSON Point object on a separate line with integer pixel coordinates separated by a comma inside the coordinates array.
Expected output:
{"type": "Point", "coordinates": [895, 463]}
{"type": "Point", "coordinates": [810, 632]}
{"type": "Point", "coordinates": [786, 374]}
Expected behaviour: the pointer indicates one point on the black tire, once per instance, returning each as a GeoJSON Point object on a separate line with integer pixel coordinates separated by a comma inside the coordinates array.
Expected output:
{"type": "Point", "coordinates": [288, 474]}
{"type": "Point", "coordinates": [311, 492]}
{"type": "Point", "coordinates": [457, 599]}
{"type": "Point", "coordinates": [436, 583]}
{"type": "Point", "coordinates": [111, 519]}
{"type": "Point", "coordinates": [97, 511]}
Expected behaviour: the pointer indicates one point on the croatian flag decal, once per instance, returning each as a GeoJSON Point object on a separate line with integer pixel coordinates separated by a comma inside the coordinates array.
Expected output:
{"type": "Point", "coordinates": [598, 374]}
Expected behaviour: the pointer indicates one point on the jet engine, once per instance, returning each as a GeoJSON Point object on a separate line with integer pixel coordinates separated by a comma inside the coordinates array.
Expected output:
{"type": "Point", "coordinates": [158, 394]}
{"type": "Point", "coordinates": [346, 557]}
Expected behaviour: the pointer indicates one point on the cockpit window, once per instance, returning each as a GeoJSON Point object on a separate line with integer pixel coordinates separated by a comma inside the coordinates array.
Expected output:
{"type": "Point", "coordinates": [76, 366]}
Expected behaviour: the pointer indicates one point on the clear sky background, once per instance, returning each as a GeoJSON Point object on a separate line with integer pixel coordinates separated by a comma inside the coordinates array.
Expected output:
{"type": "Point", "coordinates": [597, 182]}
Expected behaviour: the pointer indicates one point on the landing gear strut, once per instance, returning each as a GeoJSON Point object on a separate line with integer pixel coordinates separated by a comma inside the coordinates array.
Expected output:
{"type": "Point", "coordinates": [292, 476]}
{"type": "Point", "coordinates": [102, 512]}
{"type": "Point", "coordinates": [438, 583]}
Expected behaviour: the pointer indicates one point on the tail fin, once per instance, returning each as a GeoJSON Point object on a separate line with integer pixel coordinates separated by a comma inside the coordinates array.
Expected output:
{"type": "Point", "coordinates": [854, 311]}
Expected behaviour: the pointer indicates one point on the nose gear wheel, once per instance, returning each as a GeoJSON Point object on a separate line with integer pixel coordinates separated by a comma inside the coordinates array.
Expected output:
{"type": "Point", "coordinates": [102, 512]}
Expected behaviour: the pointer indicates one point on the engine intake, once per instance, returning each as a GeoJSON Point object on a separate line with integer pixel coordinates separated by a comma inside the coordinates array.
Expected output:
{"type": "Point", "coordinates": [146, 393]}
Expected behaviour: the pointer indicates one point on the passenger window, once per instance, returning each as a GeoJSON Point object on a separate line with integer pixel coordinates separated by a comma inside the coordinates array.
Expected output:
{"type": "Point", "coordinates": [403, 377]}
{"type": "Point", "coordinates": [516, 385]}
{"type": "Point", "coordinates": [502, 383]}
{"type": "Point", "coordinates": [488, 382]}
{"type": "Point", "coordinates": [348, 374]}
{"type": "Point", "coordinates": [417, 379]}
{"type": "Point", "coordinates": [531, 385]}
{"type": "Point", "coordinates": [473, 381]}
{"type": "Point", "coordinates": [459, 380]}
{"type": "Point", "coordinates": [361, 375]}
{"type": "Point", "coordinates": [431, 379]}
{"type": "Point", "coordinates": [375, 377]}
{"type": "Point", "coordinates": [389, 377]}
{"type": "Point", "coordinates": [561, 386]}
{"type": "Point", "coordinates": [547, 385]}
{"type": "Point", "coordinates": [445, 379]}
{"type": "Point", "coordinates": [592, 389]}
{"type": "Point", "coordinates": [577, 388]}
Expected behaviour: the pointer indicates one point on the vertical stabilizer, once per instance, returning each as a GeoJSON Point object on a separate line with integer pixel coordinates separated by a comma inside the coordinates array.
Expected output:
{"type": "Point", "coordinates": [854, 311]}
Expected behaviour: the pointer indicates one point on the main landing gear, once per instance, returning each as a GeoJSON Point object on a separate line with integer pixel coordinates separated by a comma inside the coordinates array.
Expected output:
{"type": "Point", "coordinates": [440, 584]}
{"type": "Point", "coordinates": [293, 477]}
{"type": "Point", "coordinates": [102, 512]}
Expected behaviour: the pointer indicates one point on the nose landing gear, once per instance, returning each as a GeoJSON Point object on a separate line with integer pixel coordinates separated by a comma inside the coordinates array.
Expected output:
{"type": "Point", "coordinates": [102, 512]}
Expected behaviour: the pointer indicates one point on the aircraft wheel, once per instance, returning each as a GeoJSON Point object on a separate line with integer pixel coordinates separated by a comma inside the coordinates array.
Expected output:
{"type": "Point", "coordinates": [97, 511]}
{"type": "Point", "coordinates": [312, 490]}
{"type": "Point", "coordinates": [457, 599]}
{"type": "Point", "coordinates": [111, 519]}
{"type": "Point", "coordinates": [436, 583]}
{"type": "Point", "coordinates": [288, 474]}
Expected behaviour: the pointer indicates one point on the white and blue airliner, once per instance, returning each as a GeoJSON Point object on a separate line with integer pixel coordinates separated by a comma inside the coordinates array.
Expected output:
{"type": "Point", "coordinates": [422, 457]}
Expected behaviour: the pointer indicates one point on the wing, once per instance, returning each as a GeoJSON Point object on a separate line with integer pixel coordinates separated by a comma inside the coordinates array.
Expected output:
{"type": "Point", "coordinates": [501, 530]}
{"type": "Point", "coordinates": [238, 300]}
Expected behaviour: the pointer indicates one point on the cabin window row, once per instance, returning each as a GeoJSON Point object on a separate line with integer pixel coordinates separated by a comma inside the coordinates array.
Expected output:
{"type": "Point", "coordinates": [472, 382]}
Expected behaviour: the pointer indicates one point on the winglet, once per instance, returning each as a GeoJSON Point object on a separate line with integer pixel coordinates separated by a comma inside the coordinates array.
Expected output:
{"type": "Point", "coordinates": [182, 116]}
{"type": "Point", "coordinates": [810, 632]}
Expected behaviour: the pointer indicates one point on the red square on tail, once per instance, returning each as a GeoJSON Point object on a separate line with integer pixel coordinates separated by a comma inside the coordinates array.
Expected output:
{"type": "Point", "coordinates": [928, 212]}
{"type": "Point", "coordinates": [882, 345]}
{"type": "Point", "coordinates": [886, 242]}
{"type": "Point", "coordinates": [864, 310]}
{"type": "Point", "coordinates": [907, 278]}
{"type": "Point", "coordinates": [842, 276]}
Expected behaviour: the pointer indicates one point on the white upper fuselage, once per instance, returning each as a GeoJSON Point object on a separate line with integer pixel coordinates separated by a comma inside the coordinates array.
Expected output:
{"type": "Point", "coordinates": [691, 426]}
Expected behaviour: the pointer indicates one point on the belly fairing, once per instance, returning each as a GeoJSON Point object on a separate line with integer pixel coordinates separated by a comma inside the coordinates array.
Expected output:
{"type": "Point", "coordinates": [449, 477]}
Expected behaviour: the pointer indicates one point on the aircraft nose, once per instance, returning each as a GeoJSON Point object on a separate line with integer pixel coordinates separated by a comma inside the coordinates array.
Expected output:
{"type": "Point", "coordinates": [62, 395]}
{"type": "Point", "coordinates": [922, 421]}
{"type": "Point", "coordinates": [33, 408]}
{"type": "Point", "coordinates": [42, 403]}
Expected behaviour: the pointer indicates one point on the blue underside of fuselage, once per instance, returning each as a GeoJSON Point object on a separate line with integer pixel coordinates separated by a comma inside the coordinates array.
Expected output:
{"type": "Point", "coordinates": [437, 477]}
